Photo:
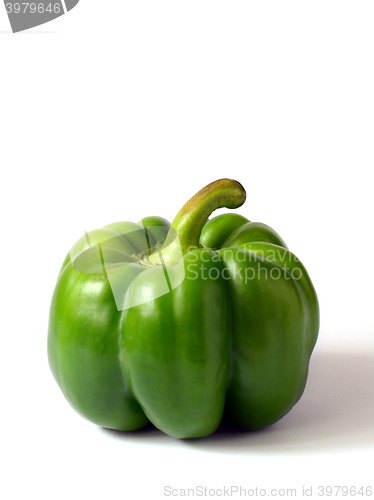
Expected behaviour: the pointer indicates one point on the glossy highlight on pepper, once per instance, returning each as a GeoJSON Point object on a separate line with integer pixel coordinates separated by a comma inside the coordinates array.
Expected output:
{"type": "Point", "coordinates": [183, 324]}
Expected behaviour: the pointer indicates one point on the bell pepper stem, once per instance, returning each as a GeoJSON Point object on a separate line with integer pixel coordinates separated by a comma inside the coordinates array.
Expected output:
{"type": "Point", "coordinates": [190, 220]}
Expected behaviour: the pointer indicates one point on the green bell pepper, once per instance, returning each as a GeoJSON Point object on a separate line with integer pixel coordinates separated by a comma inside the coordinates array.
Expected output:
{"type": "Point", "coordinates": [184, 324]}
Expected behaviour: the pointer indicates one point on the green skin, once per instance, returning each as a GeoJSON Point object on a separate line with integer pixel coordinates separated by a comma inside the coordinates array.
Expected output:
{"type": "Point", "coordinates": [131, 342]}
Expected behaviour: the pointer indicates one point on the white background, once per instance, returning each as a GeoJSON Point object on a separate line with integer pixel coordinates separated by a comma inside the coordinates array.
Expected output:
{"type": "Point", "coordinates": [120, 110]}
